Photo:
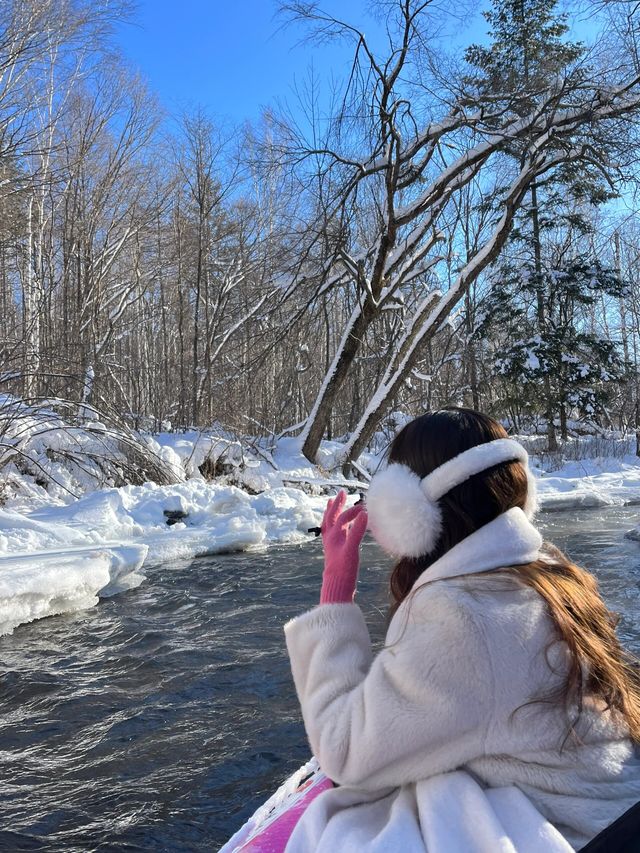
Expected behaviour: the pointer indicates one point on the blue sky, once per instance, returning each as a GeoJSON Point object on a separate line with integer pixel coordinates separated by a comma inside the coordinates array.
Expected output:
{"type": "Point", "coordinates": [233, 57]}
{"type": "Point", "coordinates": [230, 56]}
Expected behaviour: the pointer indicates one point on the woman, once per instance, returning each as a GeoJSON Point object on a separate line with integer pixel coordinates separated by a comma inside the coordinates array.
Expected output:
{"type": "Point", "coordinates": [502, 709]}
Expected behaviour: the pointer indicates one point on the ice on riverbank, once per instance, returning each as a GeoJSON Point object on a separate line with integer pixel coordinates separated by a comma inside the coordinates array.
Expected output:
{"type": "Point", "coordinates": [58, 559]}
{"type": "Point", "coordinates": [282, 497]}
{"type": "Point", "coordinates": [217, 518]}
{"type": "Point", "coordinates": [48, 583]}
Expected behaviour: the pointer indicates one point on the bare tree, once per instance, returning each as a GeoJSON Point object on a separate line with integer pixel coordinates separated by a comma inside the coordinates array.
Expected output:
{"type": "Point", "coordinates": [381, 150]}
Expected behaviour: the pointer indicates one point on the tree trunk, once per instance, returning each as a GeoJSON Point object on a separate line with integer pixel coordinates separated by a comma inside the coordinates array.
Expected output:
{"type": "Point", "coordinates": [31, 311]}
{"type": "Point", "coordinates": [552, 441]}
{"type": "Point", "coordinates": [424, 325]}
{"type": "Point", "coordinates": [563, 422]}
{"type": "Point", "coordinates": [472, 368]}
{"type": "Point", "coordinates": [196, 331]}
{"type": "Point", "coordinates": [313, 433]}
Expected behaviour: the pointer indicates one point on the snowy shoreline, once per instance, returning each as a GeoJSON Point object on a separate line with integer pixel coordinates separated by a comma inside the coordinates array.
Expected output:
{"type": "Point", "coordinates": [58, 559]}
{"type": "Point", "coordinates": [61, 557]}
{"type": "Point", "coordinates": [590, 483]}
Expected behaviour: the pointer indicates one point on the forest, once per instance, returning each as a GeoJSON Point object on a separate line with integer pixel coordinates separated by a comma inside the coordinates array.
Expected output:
{"type": "Point", "coordinates": [452, 226]}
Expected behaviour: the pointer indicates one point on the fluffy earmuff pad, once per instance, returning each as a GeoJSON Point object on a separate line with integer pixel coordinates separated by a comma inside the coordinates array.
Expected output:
{"type": "Point", "coordinates": [402, 520]}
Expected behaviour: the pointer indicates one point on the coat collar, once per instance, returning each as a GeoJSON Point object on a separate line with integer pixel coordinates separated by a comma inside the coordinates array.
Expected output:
{"type": "Point", "coordinates": [508, 540]}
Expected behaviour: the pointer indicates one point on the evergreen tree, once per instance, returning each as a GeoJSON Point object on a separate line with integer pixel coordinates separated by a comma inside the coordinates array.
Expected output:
{"type": "Point", "coordinates": [528, 56]}
{"type": "Point", "coordinates": [569, 359]}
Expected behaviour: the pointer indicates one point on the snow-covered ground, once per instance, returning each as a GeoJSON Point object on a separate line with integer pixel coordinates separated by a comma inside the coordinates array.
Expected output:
{"type": "Point", "coordinates": [60, 558]}
{"type": "Point", "coordinates": [59, 553]}
{"type": "Point", "coordinates": [590, 483]}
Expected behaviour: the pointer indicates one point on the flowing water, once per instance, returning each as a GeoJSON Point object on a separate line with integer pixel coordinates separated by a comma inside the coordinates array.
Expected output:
{"type": "Point", "coordinates": [160, 719]}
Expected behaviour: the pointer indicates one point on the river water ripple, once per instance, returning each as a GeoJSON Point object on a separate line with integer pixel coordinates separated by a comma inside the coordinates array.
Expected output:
{"type": "Point", "coordinates": [160, 719]}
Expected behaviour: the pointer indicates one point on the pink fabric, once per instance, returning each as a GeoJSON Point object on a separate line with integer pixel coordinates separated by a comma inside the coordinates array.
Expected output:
{"type": "Point", "coordinates": [274, 838]}
{"type": "Point", "coordinates": [342, 534]}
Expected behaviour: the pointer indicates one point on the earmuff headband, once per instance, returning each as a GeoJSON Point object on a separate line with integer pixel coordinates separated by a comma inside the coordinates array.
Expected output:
{"type": "Point", "coordinates": [470, 462]}
{"type": "Point", "coordinates": [404, 515]}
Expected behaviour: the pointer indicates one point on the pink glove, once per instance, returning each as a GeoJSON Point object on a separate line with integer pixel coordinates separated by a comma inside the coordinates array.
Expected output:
{"type": "Point", "coordinates": [342, 534]}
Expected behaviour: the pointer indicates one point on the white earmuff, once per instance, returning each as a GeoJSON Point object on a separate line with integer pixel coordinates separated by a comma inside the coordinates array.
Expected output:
{"type": "Point", "coordinates": [404, 515]}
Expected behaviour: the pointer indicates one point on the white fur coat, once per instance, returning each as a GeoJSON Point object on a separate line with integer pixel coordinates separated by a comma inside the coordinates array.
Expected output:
{"type": "Point", "coordinates": [461, 656]}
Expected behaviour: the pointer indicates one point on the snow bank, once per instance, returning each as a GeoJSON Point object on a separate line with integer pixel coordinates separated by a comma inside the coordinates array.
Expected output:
{"type": "Point", "coordinates": [49, 583]}
{"type": "Point", "coordinates": [217, 518]}
{"type": "Point", "coordinates": [59, 554]}
{"type": "Point", "coordinates": [48, 458]}
{"type": "Point", "coordinates": [57, 451]}
{"type": "Point", "coordinates": [256, 468]}
{"type": "Point", "coordinates": [58, 559]}
{"type": "Point", "coordinates": [590, 483]}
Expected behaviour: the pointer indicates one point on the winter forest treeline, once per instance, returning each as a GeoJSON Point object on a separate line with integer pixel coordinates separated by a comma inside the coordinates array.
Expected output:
{"type": "Point", "coordinates": [450, 227]}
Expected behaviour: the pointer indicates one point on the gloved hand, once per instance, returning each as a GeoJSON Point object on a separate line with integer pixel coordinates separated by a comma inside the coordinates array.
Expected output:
{"type": "Point", "coordinates": [342, 534]}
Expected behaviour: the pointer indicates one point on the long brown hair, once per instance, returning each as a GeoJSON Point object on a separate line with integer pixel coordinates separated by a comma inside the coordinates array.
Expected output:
{"type": "Point", "coordinates": [599, 668]}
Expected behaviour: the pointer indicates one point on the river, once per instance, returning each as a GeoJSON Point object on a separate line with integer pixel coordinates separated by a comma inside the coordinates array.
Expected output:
{"type": "Point", "coordinates": [160, 719]}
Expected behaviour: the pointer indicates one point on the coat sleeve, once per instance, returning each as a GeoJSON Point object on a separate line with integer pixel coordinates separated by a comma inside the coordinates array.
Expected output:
{"type": "Point", "coordinates": [421, 706]}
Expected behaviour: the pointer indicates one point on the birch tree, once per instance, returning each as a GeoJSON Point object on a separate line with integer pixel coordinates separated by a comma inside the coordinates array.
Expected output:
{"type": "Point", "coordinates": [46, 47]}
